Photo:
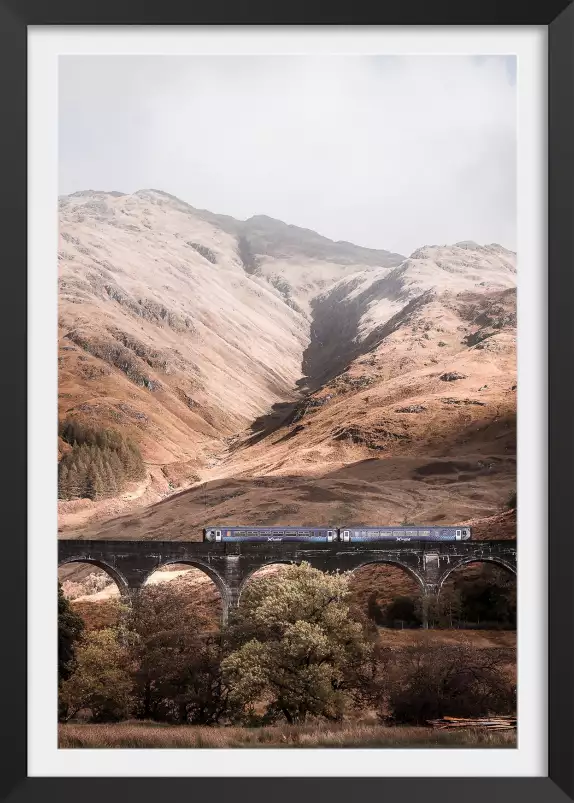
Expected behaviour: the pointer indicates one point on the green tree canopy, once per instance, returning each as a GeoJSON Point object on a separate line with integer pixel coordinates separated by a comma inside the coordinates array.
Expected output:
{"type": "Point", "coordinates": [293, 645]}
{"type": "Point", "coordinates": [101, 681]}
{"type": "Point", "coordinates": [70, 628]}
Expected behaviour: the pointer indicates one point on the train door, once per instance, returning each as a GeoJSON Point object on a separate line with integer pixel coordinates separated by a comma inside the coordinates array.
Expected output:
{"type": "Point", "coordinates": [346, 536]}
{"type": "Point", "coordinates": [459, 535]}
{"type": "Point", "coordinates": [218, 535]}
{"type": "Point", "coordinates": [330, 535]}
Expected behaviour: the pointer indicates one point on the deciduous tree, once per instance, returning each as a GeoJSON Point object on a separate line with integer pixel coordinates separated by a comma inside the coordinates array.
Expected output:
{"type": "Point", "coordinates": [177, 650]}
{"type": "Point", "coordinates": [101, 681]}
{"type": "Point", "coordinates": [70, 628]}
{"type": "Point", "coordinates": [294, 645]}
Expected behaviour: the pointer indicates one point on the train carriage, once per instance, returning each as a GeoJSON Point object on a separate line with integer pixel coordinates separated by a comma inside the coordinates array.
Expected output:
{"type": "Point", "coordinates": [263, 534]}
{"type": "Point", "coordinates": [412, 533]}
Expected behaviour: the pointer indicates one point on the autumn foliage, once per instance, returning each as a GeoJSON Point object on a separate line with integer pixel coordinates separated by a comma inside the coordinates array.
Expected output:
{"type": "Point", "coordinates": [293, 652]}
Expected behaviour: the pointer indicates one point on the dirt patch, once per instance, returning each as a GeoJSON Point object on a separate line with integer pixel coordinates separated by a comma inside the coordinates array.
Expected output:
{"type": "Point", "coordinates": [443, 467]}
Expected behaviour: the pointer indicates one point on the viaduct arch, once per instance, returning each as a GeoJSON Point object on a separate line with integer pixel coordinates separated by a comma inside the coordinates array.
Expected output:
{"type": "Point", "coordinates": [116, 576]}
{"type": "Point", "coordinates": [230, 566]}
{"type": "Point", "coordinates": [498, 561]}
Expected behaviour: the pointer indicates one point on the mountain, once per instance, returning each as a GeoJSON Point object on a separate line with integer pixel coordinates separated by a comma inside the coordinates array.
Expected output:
{"type": "Point", "coordinates": [270, 375]}
{"type": "Point", "coordinates": [179, 327]}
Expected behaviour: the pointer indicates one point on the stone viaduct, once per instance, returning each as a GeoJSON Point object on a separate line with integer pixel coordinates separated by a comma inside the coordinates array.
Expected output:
{"type": "Point", "coordinates": [230, 565]}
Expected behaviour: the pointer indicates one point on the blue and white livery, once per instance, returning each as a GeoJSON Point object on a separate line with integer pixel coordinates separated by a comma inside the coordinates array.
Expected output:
{"type": "Point", "coordinates": [344, 535]}
{"type": "Point", "coordinates": [367, 534]}
{"type": "Point", "coordinates": [260, 534]}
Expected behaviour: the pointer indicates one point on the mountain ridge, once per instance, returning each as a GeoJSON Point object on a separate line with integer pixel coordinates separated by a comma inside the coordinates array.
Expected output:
{"type": "Point", "coordinates": [213, 343]}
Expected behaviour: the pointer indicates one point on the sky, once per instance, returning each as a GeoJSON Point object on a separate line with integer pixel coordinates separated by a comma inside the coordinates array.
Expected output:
{"type": "Point", "coordinates": [391, 152]}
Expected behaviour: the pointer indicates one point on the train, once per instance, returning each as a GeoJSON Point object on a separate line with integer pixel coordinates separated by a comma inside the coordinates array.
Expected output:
{"type": "Point", "coordinates": [326, 535]}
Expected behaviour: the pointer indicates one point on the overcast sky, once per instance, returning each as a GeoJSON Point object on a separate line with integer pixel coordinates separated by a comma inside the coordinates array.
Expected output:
{"type": "Point", "coordinates": [389, 152]}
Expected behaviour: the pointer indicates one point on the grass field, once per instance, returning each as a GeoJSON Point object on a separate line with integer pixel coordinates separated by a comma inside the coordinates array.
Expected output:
{"type": "Point", "coordinates": [148, 734]}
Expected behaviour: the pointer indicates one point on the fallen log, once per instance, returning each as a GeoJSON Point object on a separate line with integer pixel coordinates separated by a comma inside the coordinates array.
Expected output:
{"type": "Point", "coordinates": [492, 723]}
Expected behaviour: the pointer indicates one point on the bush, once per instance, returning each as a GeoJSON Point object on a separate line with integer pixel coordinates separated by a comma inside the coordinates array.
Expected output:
{"type": "Point", "coordinates": [94, 582]}
{"type": "Point", "coordinates": [487, 600]}
{"type": "Point", "coordinates": [484, 598]}
{"type": "Point", "coordinates": [450, 681]}
{"type": "Point", "coordinates": [403, 611]}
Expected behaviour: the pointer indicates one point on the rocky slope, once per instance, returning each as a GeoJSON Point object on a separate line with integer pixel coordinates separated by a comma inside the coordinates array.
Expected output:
{"type": "Point", "coordinates": [293, 378]}
{"type": "Point", "coordinates": [179, 327]}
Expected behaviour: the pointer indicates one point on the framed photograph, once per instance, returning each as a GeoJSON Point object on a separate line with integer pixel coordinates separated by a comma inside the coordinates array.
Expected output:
{"type": "Point", "coordinates": [292, 285]}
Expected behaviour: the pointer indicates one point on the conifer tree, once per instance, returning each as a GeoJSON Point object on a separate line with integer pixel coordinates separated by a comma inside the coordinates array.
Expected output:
{"type": "Point", "coordinates": [110, 483]}
{"type": "Point", "coordinates": [63, 483]}
{"type": "Point", "coordinates": [94, 485]}
{"type": "Point", "coordinates": [117, 468]}
{"type": "Point", "coordinates": [99, 464]}
{"type": "Point", "coordinates": [75, 486]}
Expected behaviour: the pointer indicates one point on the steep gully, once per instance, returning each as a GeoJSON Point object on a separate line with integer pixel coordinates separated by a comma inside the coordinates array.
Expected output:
{"type": "Point", "coordinates": [333, 344]}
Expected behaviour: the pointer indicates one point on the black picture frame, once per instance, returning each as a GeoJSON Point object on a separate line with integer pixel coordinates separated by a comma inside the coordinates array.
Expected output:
{"type": "Point", "coordinates": [558, 15]}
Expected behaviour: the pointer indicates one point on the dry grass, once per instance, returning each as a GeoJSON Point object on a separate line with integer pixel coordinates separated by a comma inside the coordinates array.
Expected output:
{"type": "Point", "coordinates": [487, 639]}
{"type": "Point", "coordinates": [147, 734]}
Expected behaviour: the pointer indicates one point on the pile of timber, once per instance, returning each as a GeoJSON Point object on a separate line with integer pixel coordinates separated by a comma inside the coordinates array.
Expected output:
{"type": "Point", "coordinates": [492, 723]}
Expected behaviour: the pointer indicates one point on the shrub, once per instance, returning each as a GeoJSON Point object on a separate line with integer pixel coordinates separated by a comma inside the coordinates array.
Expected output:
{"type": "Point", "coordinates": [94, 582]}
{"type": "Point", "coordinates": [205, 252]}
{"type": "Point", "coordinates": [403, 610]}
{"type": "Point", "coordinates": [450, 681]}
{"type": "Point", "coordinates": [487, 599]}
